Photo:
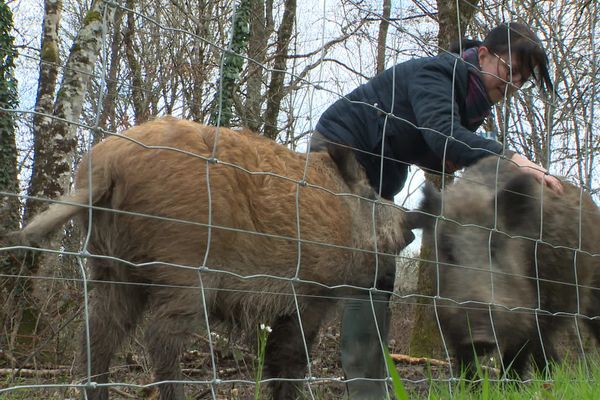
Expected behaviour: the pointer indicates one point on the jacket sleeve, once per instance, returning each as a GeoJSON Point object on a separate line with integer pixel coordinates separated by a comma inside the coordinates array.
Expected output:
{"type": "Point", "coordinates": [438, 118]}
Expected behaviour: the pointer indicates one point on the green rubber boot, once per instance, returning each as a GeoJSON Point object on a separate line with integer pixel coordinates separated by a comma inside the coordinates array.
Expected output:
{"type": "Point", "coordinates": [362, 356]}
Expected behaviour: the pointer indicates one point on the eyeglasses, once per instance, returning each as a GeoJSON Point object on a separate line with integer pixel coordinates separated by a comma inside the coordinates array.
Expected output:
{"type": "Point", "coordinates": [513, 75]}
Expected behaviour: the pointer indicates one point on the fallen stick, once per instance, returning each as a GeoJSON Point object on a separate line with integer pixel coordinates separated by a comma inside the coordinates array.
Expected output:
{"type": "Point", "coordinates": [26, 372]}
{"type": "Point", "coordinates": [403, 358]}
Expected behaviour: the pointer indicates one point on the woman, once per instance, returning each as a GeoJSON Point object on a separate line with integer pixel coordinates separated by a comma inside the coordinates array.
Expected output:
{"type": "Point", "coordinates": [423, 112]}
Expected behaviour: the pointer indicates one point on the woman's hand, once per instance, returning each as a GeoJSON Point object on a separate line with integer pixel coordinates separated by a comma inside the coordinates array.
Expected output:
{"type": "Point", "coordinates": [538, 172]}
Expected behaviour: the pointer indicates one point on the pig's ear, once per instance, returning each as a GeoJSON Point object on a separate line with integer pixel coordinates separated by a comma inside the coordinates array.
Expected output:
{"type": "Point", "coordinates": [424, 216]}
{"type": "Point", "coordinates": [519, 205]}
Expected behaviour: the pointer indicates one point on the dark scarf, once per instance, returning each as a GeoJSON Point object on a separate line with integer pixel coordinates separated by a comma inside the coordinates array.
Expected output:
{"type": "Point", "coordinates": [478, 103]}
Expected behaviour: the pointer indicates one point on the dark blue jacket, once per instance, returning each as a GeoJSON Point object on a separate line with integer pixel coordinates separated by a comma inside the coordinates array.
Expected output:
{"type": "Point", "coordinates": [426, 117]}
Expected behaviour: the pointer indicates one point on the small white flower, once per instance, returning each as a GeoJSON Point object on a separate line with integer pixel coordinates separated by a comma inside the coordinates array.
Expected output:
{"type": "Point", "coordinates": [262, 327]}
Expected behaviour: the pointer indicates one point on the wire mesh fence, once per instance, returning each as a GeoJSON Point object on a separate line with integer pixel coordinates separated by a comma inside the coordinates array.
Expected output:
{"type": "Point", "coordinates": [189, 238]}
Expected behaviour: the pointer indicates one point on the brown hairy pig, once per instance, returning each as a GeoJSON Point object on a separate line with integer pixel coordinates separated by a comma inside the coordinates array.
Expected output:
{"type": "Point", "coordinates": [196, 225]}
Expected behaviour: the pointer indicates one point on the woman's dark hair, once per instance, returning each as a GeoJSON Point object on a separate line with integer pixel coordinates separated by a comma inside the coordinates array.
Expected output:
{"type": "Point", "coordinates": [526, 46]}
{"type": "Point", "coordinates": [463, 45]}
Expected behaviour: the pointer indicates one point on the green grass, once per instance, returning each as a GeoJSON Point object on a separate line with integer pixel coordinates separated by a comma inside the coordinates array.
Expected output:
{"type": "Point", "coordinates": [399, 390]}
{"type": "Point", "coordinates": [569, 381]}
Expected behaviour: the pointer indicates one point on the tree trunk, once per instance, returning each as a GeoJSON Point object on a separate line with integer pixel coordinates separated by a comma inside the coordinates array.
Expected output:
{"type": "Point", "coordinates": [425, 339]}
{"type": "Point", "coordinates": [199, 69]}
{"type": "Point", "coordinates": [260, 30]}
{"type": "Point", "coordinates": [275, 92]}
{"type": "Point", "coordinates": [107, 117]}
{"type": "Point", "coordinates": [44, 105]}
{"type": "Point", "coordinates": [384, 24]}
{"type": "Point", "coordinates": [232, 66]}
{"type": "Point", "coordinates": [448, 16]}
{"type": "Point", "coordinates": [140, 102]}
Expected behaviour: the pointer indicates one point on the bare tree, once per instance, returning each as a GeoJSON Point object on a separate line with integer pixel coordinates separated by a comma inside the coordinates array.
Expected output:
{"type": "Point", "coordinates": [107, 117]}
{"type": "Point", "coordinates": [384, 25]}
{"type": "Point", "coordinates": [275, 92]}
{"type": "Point", "coordinates": [261, 27]}
{"type": "Point", "coordinates": [48, 76]}
{"type": "Point", "coordinates": [138, 95]}
{"type": "Point", "coordinates": [233, 62]}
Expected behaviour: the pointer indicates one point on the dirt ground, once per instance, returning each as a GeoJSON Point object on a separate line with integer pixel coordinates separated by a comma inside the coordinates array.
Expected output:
{"type": "Point", "coordinates": [235, 363]}
{"type": "Point", "coordinates": [235, 369]}
{"type": "Point", "coordinates": [325, 368]}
